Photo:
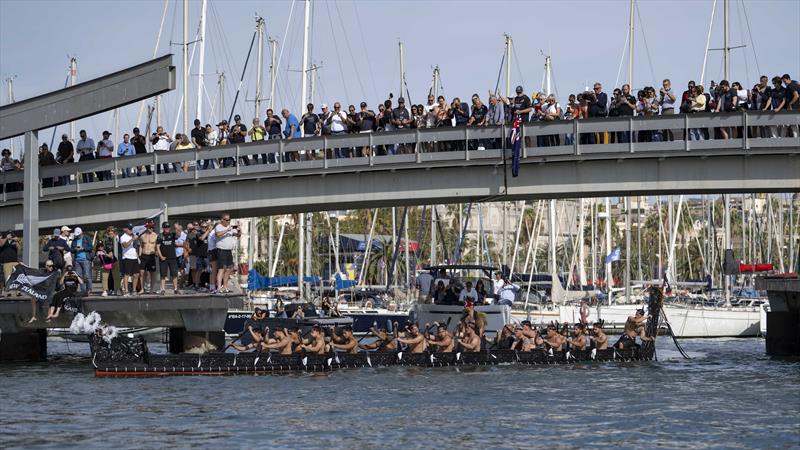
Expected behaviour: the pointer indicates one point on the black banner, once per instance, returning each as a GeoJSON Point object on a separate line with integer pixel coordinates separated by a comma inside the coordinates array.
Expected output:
{"type": "Point", "coordinates": [39, 284]}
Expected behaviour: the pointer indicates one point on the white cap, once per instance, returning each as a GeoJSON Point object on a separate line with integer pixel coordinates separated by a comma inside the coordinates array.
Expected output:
{"type": "Point", "coordinates": [324, 106]}
{"type": "Point", "coordinates": [66, 229]}
{"type": "Point", "coordinates": [78, 231]}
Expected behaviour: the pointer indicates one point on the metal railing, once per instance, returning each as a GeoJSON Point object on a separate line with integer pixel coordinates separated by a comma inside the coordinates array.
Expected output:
{"type": "Point", "coordinates": [412, 147]}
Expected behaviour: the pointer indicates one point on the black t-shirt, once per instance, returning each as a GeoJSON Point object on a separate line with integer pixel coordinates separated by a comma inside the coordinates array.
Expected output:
{"type": "Point", "coordinates": [139, 144]}
{"type": "Point", "coordinates": [623, 108]}
{"type": "Point", "coordinates": [8, 254]}
{"type": "Point", "coordinates": [519, 103]}
{"type": "Point", "coordinates": [273, 126]}
{"type": "Point", "coordinates": [597, 107]}
{"type": "Point", "coordinates": [166, 242]}
{"type": "Point", "coordinates": [777, 96]}
{"type": "Point", "coordinates": [478, 113]}
{"type": "Point", "coordinates": [191, 238]}
{"type": "Point", "coordinates": [728, 99]}
{"type": "Point", "coordinates": [201, 250]}
{"type": "Point", "coordinates": [71, 282]}
{"type": "Point", "coordinates": [790, 90]}
{"type": "Point", "coordinates": [65, 152]}
{"type": "Point", "coordinates": [236, 138]}
{"type": "Point", "coordinates": [199, 136]}
{"type": "Point", "coordinates": [55, 250]}
{"type": "Point", "coordinates": [310, 122]}
{"type": "Point", "coordinates": [400, 114]}
{"type": "Point", "coordinates": [460, 115]}
{"type": "Point", "coordinates": [365, 121]}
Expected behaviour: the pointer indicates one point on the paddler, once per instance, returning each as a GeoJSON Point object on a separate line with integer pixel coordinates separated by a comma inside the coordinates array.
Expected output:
{"type": "Point", "coordinates": [317, 342]}
{"type": "Point", "coordinates": [258, 339]}
{"type": "Point", "coordinates": [553, 339]}
{"type": "Point", "coordinates": [599, 336]}
{"type": "Point", "coordinates": [443, 340]}
{"type": "Point", "coordinates": [471, 341]}
{"type": "Point", "coordinates": [634, 326]}
{"type": "Point", "coordinates": [346, 341]}
{"type": "Point", "coordinates": [532, 334]}
{"type": "Point", "coordinates": [476, 317]}
{"type": "Point", "coordinates": [282, 342]}
{"type": "Point", "coordinates": [384, 342]}
{"type": "Point", "coordinates": [578, 339]}
{"type": "Point", "coordinates": [413, 339]}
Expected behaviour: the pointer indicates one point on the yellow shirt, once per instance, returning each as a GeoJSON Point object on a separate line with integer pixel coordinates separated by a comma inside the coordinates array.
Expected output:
{"type": "Point", "coordinates": [184, 147]}
{"type": "Point", "coordinates": [256, 134]}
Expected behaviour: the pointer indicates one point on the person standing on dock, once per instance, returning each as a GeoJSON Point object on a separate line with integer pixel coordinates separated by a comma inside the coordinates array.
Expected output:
{"type": "Point", "coordinates": [227, 237]}
{"type": "Point", "coordinates": [82, 256]}
{"type": "Point", "coordinates": [129, 264]}
{"type": "Point", "coordinates": [167, 256]}
{"type": "Point", "coordinates": [147, 256]}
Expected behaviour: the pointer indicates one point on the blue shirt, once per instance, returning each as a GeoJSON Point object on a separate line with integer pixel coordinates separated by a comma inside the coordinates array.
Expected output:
{"type": "Point", "coordinates": [125, 149]}
{"type": "Point", "coordinates": [292, 120]}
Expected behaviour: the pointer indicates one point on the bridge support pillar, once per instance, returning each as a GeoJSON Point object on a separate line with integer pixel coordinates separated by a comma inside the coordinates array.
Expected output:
{"type": "Point", "coordinates": [30, 202]}
{"type": "Point", "coordinates": [181, 341]}
{"type": "Point", "coordinates": [23, 345]}
{"type": "Point", "coordinates": [783, 333]}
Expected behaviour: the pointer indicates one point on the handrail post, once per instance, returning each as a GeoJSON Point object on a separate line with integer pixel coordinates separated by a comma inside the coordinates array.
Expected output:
{"type": "Point", "coordinates": [325, 151]}
{"type": "Point", "coordinates": [523, 128]}
{"type": "Point", "coordinates": [280, 155]}
{"type": "Point", "coordinates": [686, 131]}
{"type": "Point", "coordinates": [745, 139]}
{"type": "Point", "coordinates": [418, 146]}
{"type": "Point", "coordinates": [466, 143]}
{"type": "Point", "coordinates": [630, 134]}
{"type": "Point", "coordinates": [116, 173]}
{"type": "Point", "coordinates": [371, 151]}
{"type": "Point", "coordinates": [196, 163]}
{"type": "Point", "coordinates": [237, 164]}
{"type": "Point", "coordinates": [576, 137]}
{"type": "Point", "coordinates": [155, 167]}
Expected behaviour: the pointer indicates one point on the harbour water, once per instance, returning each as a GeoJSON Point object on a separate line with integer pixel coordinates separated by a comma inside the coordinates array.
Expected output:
{"type": "Point", "coordinates": [729, 395]}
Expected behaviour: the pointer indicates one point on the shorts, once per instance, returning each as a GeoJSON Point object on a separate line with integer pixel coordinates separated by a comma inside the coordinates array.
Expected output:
{"type": "Point", "coordinates": [168, 268]}
{"type": "Point", "coordinates": [148, 263]}
{"type": "Point", "coordinates": [212, 255]}
{"type": "Point", "coordinates": [200, 262]}
{"type": "Point", "coordinates": [224, 258]}
{"type": "Point", "coordinates": [181, 262]}
{"type": "Point", "coordinates": [129, 266]}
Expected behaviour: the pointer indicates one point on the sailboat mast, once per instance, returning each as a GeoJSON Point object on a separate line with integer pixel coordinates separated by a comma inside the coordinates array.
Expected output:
{"type": "Point", "coordinates": [630, 46]}
{"type": "Point", "coordinates": [73, 78]}
{"type": "Point", "coordinates": [303, 89]}
{"type": "Point", "coordinates": [609, 279]}
{"type": "Point", "coordinates": [726, 49]}
{"type": "Point", "coordinates": [628, 249]}
{"type": "Point", "coordinates": [552, 237]}
{"type": "Point", "coordinates": [155, 52]}
{"type": "Point", "coordinates": [272, 72]}
{"type": "Point", "coordinates": [259, 65]}
{"type": "Point", "coordinates": [581, 251]}
{"type": "Point", "coordinates": [727, 219]}
{"type": "Point", "coordinates": [708, 41]}
{"type": "Point", "coordinates": [402, 69]}
{"type": "Point", "coordinates": [509, 43]}
{"type": "Point", "coordinates": [10, 86]}
{"type": "Point", "coordinates": [202, 65]}
{"type": "Point", "coordinates": [185, 49]}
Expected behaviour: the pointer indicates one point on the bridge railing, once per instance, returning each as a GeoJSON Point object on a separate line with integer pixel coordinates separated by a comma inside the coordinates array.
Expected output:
{"type": "Point", "coordinates": [407, 148]}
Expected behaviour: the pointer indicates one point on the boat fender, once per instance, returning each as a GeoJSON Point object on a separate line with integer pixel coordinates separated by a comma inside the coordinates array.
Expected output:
{"type": "Point", "coordinates": [458, 356]}
{"type": "Point", "coordinates": [594, 353]}
{"type": "Point", "coordinates": [400, 356]}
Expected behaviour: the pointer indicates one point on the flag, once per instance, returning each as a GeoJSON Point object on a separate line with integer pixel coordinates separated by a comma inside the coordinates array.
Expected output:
{"type": "Point", "coordinates": [613, 256]}
{"type": "Point", "coordinates": [516, 147]}
{"type": "Point", "coordinates": [39, 284]}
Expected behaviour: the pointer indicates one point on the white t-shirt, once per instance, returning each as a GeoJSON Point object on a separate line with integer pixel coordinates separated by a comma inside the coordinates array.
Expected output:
{"type": "Point", "coordinates": [212, 241]}
{"type": "Point", "coordinates": [471, 294]}
{"type": "Point", "coordinates": [179, 244]}
{"type": "Point", "coordinates": [498, 285]}
{"type": "Point", "coordinates": [338, 122]}
{"type": "Point", "coordinates": [228, 240]}
{"type": "Point", "coordinates": [430, 118]}
{"type": "Point", "coordinates": [162, 143]}
{"type": "Point", "coordinates": [127, 252]}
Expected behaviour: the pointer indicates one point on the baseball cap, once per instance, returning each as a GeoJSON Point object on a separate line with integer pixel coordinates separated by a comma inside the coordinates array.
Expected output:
{"type": "Point", "coordinates": [324, 106]}
{"type": "Point", "coordinates": [363, 104]}
{"type": "Point", "coordinates": [237, 117]}
{"type": "Point", "coordinates": [519, 88]}
{"type": "Point", "coordinates": [165, 225]}
{"type": "Point", "coordinates": [106, 133]}
{"type": "Point", "coordinates": [127, 226]}
{"type": "Point", "coordinates": [401, 100]}
{"type": "Point", "coordinates": [66, 229]}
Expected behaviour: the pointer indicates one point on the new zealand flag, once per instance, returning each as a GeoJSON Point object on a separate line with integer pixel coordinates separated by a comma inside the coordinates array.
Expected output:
{"type": "Point", "coordinates": [516, 147]}
{"type": "Point", "coordinates": [39, 284]}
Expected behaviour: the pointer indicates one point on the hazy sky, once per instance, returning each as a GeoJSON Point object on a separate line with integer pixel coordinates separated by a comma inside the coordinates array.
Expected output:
{"type": "Point", "coordinates": [357, 41]}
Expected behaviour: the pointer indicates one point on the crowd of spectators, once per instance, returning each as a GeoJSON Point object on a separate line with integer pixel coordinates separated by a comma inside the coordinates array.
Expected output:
{"type": "Point", "coordinates": [778, 94]}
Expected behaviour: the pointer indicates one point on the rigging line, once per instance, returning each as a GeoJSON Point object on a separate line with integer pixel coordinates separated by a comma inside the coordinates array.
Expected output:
{"type": "Point", "coordinates": [553, 79]}
{"type": "Point", "coordinates": [218, 47]}
{"type": "Point", "coordinates": [752, 42]}
{"type": "Point", "coordinates": [741, 36]}
{"type": "Point", "coordinates": [280, 53]}
{"type": "Point", "coordinates": [622, 56]}
{"type": "Point", "coordinates": [519, 70]}
{"type": "Point", "coordinates": [366, 54]}
{"type": "Point", "coordinates": [646, 47]}
{"type": "Point", "coordinates": [236, 98]}
{"type": "Point", "coordinates": [338, 56]}
{"type": "Point", "coordinates": [350, 50]}
{"type": "Point", "coordinates": [500, 74]}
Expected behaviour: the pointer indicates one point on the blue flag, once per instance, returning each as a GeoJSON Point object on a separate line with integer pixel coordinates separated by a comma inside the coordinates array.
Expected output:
{"type": "Point", "coordinates": [613, 256]}
{"type": "Point", "coordinates": [516, 147]}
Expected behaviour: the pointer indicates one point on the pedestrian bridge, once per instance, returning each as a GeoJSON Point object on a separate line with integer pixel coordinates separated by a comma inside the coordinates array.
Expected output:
{"type": "Point", "coordinates": [429, 166]}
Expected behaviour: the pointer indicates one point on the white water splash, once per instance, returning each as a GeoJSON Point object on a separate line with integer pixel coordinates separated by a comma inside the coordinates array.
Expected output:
{"type": "Point", "coordinates": [92, 323]}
